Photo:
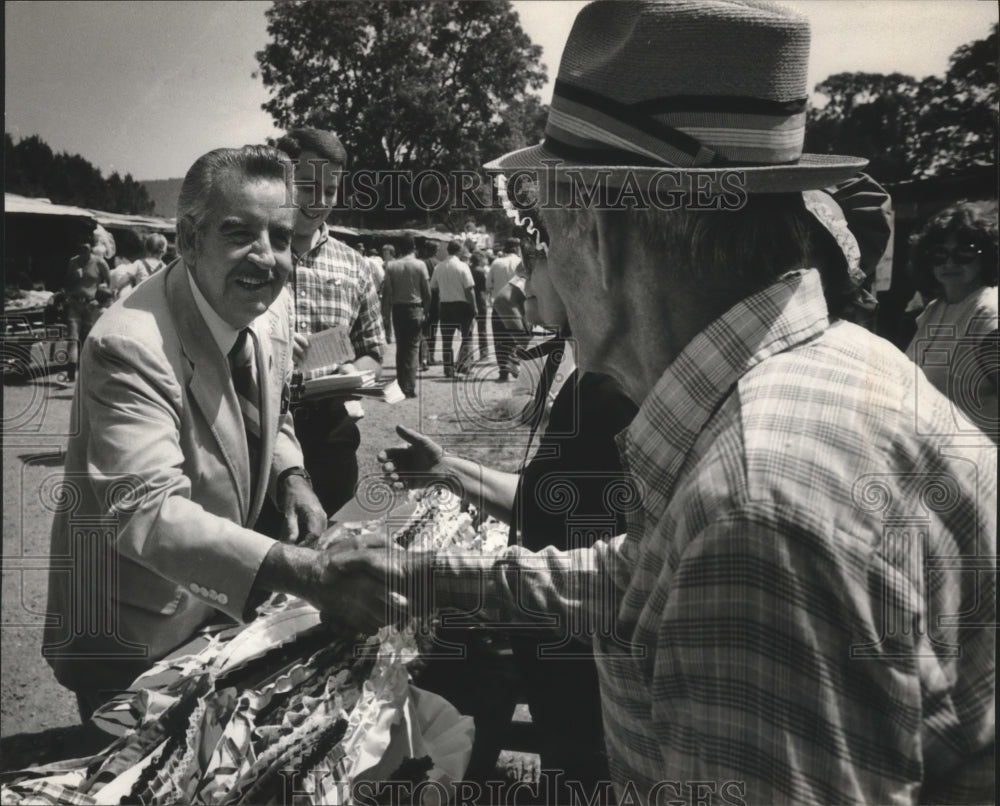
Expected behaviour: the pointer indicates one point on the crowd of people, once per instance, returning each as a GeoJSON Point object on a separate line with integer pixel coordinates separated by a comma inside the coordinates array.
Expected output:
{"type": "Point", "coordinates": [738, 582]}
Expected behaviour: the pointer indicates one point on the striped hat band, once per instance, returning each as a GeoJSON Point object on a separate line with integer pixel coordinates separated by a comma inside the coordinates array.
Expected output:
{"type": "Point", "coordinates": [680, 131]}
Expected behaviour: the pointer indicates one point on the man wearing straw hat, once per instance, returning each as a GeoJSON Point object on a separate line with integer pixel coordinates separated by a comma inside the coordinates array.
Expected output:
{"type": "Point", "coordinates": [802, 609]}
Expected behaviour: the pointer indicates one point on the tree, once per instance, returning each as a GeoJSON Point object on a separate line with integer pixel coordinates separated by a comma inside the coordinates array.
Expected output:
{"type": "Point", "coordinates": [32, 169]}
{"type": "Point", "coordinates": [405, 85]}
{"type": "Point", "coordinates": [908, 128]}
{"type": "Point", "coordinates": [868, 114]}
{"type": "Point", "coordinates": [957, 117]}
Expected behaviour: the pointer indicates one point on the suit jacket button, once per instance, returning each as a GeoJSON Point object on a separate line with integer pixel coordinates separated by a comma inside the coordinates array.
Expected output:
{"type": "Point", "coordinates": [195, 587]}
{"type": "Point", "coordinates": [223, 599]}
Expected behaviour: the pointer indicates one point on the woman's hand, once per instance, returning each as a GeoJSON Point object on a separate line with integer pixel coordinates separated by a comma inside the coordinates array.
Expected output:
{"type": "Point", "coordinates": [415, 465]}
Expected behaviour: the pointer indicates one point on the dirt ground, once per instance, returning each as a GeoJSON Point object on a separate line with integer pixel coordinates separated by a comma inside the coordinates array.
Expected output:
{"type": "Point", "coordinates": [38, 718]}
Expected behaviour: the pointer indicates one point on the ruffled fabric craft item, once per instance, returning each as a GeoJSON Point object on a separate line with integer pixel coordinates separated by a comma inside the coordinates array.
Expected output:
{"type": "Point", "coordinates": [280, 703]}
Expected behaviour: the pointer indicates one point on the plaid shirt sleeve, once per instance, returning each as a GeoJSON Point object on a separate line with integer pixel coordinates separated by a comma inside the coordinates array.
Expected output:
{"type": "Point", "coordinates": [367, 332]}
{"type": "Point", "coordinates": [573, 592]}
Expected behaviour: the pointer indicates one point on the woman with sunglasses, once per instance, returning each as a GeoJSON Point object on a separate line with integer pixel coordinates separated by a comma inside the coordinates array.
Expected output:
{"type": "Point", "coordinates": [955, 257]}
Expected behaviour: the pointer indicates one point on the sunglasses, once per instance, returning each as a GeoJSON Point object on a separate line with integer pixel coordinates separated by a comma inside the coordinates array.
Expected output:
{"type": "Point", "coordinates": [960, 255]}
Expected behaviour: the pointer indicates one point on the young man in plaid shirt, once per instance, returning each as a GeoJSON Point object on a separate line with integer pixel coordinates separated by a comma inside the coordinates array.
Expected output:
{"type": "Point", "coordinates": [331, 285]}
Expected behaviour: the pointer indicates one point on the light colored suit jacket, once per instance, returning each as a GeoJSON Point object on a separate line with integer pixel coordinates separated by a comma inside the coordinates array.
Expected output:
{"type": "Point", "coordinates": [153, 532]}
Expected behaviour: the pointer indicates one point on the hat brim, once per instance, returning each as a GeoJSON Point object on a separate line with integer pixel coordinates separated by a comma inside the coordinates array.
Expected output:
{"type": "Point", "coordinates": [809, 172]}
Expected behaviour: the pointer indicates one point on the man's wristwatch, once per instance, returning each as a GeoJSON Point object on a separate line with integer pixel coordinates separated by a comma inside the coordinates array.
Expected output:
{"type": "Point", "coordinates": [291, 471]}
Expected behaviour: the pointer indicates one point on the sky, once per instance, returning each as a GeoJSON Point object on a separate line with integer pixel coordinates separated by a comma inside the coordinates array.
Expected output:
{"type": "Point", "coordinates": [147, 87]}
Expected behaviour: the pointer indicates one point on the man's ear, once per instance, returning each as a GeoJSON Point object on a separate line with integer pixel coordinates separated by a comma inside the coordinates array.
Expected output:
{"type": "Point", "coordinates": [610, 242]}
{"type": "Point", "coordinates": [187, 240]}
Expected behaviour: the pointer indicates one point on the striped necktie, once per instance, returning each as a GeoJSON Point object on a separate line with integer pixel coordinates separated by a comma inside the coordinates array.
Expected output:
{"type": "Point", "coordinates": [243, 362]}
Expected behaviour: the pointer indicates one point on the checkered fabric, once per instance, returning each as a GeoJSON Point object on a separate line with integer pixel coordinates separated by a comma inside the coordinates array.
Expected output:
{"type": "Point", "coordinates": [803, 609]}
{"type": "Point", "coordinates": [332, 285]}
{"type": "Point", "coordinates": [46, 792]}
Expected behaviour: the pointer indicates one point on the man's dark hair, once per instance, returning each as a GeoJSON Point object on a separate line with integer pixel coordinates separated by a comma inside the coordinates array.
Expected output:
{"type": "Point", "coordinates": [324, 144]}
{"type": "Point", "coordinates": [454, 247]}
{"type": "Point", "coordinates": [407, 244]}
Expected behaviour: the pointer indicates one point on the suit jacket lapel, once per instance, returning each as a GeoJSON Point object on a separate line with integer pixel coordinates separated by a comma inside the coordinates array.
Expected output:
{"type": "Point", "coordinates": [210, 384]}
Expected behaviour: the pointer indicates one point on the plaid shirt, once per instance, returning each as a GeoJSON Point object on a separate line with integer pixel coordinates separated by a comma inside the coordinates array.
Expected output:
{"type": "Point", "coordinates": [332, 285]}
{"type": "Point", "coordinates": [803, 608]}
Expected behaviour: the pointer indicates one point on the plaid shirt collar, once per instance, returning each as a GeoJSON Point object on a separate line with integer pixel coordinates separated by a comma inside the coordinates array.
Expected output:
{"type": "Point", "coordinates": [656, 444]}
{"type": "Point", "coordinates": [324, 236]}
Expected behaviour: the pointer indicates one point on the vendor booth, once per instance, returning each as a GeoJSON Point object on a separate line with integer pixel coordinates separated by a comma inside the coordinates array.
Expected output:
{"type": "Point", "coordinates": [40, 237]}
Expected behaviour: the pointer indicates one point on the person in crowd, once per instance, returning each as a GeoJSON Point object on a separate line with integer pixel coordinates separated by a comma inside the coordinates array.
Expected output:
{"type": "Point", "coordinates": [103, 298]}
{"type": "Point", "coordinates": [856, 229]}
{"type": "Point", "coordinates": [508, 327]}
{"type": "Point", "coordinates": [577, 446]}
{"type": "Point", "coordinates": [85, 273]}
{"type": "Point", "coordinates": [455, 288]}
{"type": "Point", "coordinates": [483, 238]}
{"type": "Point", "coordinates": [765, 623]}
{"type": "Point", "coordinates": [56, 318]}
{"type": "Point", "coordinates": [407, 292]}
{"type": "Point", "coordinates": [478, 266]}
{"type": "Point", "coordinates": [377, 266]}
{"type": "Point", "coordinates": [155, 246]}
{"type": "Point", "coordinates": [503, 268]}
{"type": "Point", "coordinates": [331, 286]}
{"type": "Point", "coordinates": [468, 232]}
{"type": "Point", "coordinates": [430, 331]}
{"type": "Point", "coordinates": [178, 434]}
{"type": "Point", "coordinates": [511, 331]}
{"type": "Point", "coordinates": [388, 253]}
{"type": "Point", "coordinates": [956, 343]}
{"type": "Point", "coordinates": [126, 277]}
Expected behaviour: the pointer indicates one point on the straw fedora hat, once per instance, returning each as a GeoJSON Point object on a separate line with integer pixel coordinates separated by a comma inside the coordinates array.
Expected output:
{"type": "Point", "coordinates": [693, 86]}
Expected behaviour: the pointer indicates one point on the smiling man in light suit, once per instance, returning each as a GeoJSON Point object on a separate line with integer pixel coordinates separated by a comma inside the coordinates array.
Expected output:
{"type": "Point", "coordinates": [183, 429]}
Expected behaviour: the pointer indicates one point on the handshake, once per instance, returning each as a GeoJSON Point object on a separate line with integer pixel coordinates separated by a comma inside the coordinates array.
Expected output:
{"type": "Point", "coordinates": [357, 582]}
{"type": "Point", "coordinates": [360, 582]}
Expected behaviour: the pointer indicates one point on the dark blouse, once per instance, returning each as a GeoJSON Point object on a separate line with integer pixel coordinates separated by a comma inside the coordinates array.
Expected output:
{"type": "Point", "coordinates": [562, 494]}
{"type": "Point", "coordinates": [562, 500]}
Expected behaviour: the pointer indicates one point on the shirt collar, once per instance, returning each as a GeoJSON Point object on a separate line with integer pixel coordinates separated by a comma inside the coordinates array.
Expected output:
{"type": "Point", "coordinates": [224, 334]}
{"type": "Point", "coordinates": [656, 444]}
{"type": "Point", "coordinates": [324, 235]}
